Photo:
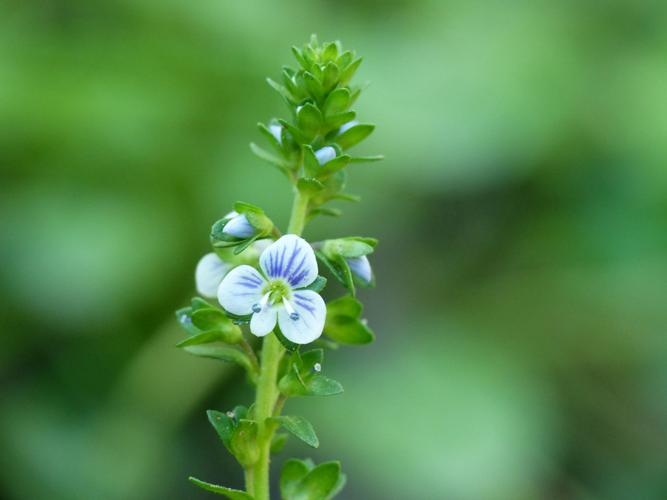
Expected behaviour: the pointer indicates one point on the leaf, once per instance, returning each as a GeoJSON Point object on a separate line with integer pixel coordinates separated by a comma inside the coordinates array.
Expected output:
{"type": "Point", "coordinates": [337, 120]}
{"type": "Point", "coordinates": [283, 165]}
{"type": "Point", "coordinates": [317, 285]}
{"type": "Point", "coordinates": [299, 57]}
{"type": "Point", "coordinates": [201, 338]}
{"type": "Point", "coordinates": [313, 85]}
{"type": "Point", "coordinates": [287, 344]}
{"type": "Point", "coordinates": [347, 74]}
{"type": "Point", "coordinates": [319, 483]}
{"type": "Point", "coordinates": [309, 120]}
{"type": "Point", "coordinates": [221, 490]}
{"type": "Point", "coordinates": [282, 91]}
{"type": "Point", "coordinates": [184, 317]}
{"type": "Point", "coordinates": [275, 143]}
{"type": "Point", "coordinates": [354, 135]}
{"type": "Point", "coordinates": [223, 425]}
{"type": "Point", "coordinates": [336, 102]}
{"type": "Point", "coordinates": [333, 166]}
{"type": "Point", "coordinates": [366, 159]}
{"type": "Point", "coordinates": [343, 323]}
{"type": "Point", "coordinates": [329, 76]}
{"type": "Point", "coordinates": [294, 470]}
{"type": "Point", "coordinates": [299, 427]}
{"type": "Point", "coordinates": [311, 164]}
{"type": "Point", "coordinates": [309, 185]}
{"type": "Point", "coordinates": [329, 212]}
{"type": "Point", "coordinates": [220, 352]}
{"type": "Point", "coordinates": [278, 443]}
{"type": "Point", "coordinates": [214, 320]}
{"type": "Point", "coordinates": [319, 385]}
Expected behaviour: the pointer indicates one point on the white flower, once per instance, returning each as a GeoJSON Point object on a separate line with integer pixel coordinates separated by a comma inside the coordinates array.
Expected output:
{"type": "Point", "coordinates": [289, 265]}
{"type": "Point", "coordinates": [238, 226]}
{"type": "Point", "coordinates": [361, 268]}
{"type": "Point", "coordinates": [325, 154]}
{"type": "Point", "coordinates": [209, 273]}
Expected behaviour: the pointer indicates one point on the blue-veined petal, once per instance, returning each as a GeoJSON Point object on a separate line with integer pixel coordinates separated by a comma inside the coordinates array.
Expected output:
{"type": "Point", "coordinates": [209, 273]}
{"type": "Point", "coordinates": [310, 312]}
{"type": "Point", "coordinates": [239, 227]}
{"type": "Point", "coordinates": [292, 259]}
{"type": "Point", "coordinates": [361, 267]}
{"type": "Point", "coordinates": [240, 290]}
{"type": "Point", "coordinates": [264, 321]}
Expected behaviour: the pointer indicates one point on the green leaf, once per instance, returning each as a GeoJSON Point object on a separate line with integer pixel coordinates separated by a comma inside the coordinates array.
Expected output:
{"type": "Point", "coordinates": [332, 166]}
{"type": "Point", "coordinates": [282, 91]}
{"type": "Point", "coordinates": [214, 320]}
{"type": "Point", "coordinates": [184, 317]}
{"type": "Point", "coordinates": [313, 85]}
{"type": "Point", "coordinates": [299, 427]}
{"type": "Point", "coordinates": [293, 472]}
{"type": "Point", "coordinates": [311, 164]}
{"type": "Point", "coordinates": [329, 212]}
{"type": "Point", "coordinates": [336, 102]}
{"type": "Point", "coordinates": [366, 159]}
{"type": "Point", "coordinates": [335, 121]}
{"type": "Point", "coordinates": [278, 443]}
{"type": "Point", "coordinates": [309, 120]}
{"type": "Point", "coordinates": [221, 490]}
{"type": "Point", "coordinates": [330, 51]}
{"type": "Point", "coordinates": [329, 76]}
{"type": "Point", "coordinates": [200, 338]}
{"type": "Point", "coordinates": [354, 135]}
{"type": "Point", "coordinates": [296, 132]}
{"type": "Point", "coordinates": [223, 425]}
{"type": "Point", "coordinates": [282, 165]}
{"type": "Point", "coordinates": [319, 385]}
{"type": "Point", "coordinates": [319, 483]}
{"type": "Point", "coordinates": [317, 285]}
{"type": "Point", "coordinates": [287, 344]}
{"type": "Point", "coordinates": [220, 352]}
{"type": "Point", "coordinates": [347, 74]}
{"type": "Point", "coordinates": [299, 57]}
{"type": "Point", "coordinates": [275, 143]}
{"type": "Point", "coordinates": [343, 323]}
{"type": "Point", "coordinates": [243, 442]}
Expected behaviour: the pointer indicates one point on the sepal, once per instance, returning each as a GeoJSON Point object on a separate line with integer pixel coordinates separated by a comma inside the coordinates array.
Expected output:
{"type": "Point", "coordinates": [237, 433]}
{"type": "Point", "coordinates": [230, 493]}
{"type": "Point", "coordinates": [298, 427]}
{"type": "Point", "coordinates": [303, 377]}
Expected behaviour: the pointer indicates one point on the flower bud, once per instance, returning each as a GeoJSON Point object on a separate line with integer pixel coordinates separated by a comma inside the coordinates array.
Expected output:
{"type": "Point", "coordinates": [238, 226]}
{"type": "Point", "coordinates": [276, 131]}
{"type": "Point", "coordinates": [361, 268]}
{"type": "Point", "coordinates": [347, 126]}
{"type": "Point", "coordinates": [325, 154]}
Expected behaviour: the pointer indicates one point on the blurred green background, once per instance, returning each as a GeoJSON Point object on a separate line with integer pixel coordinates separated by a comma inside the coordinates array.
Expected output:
{"type": "Point", "coordinates": [522, 271]}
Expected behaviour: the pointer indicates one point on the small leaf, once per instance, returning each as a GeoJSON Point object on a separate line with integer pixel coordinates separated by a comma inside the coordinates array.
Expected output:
{"type": "Point", "coordinates": [318, 484]}
{"type": "Point", "coordinates": [309, 185]}
{"type": "Point", "coordinates": [214, 320]}
{"type": "Point", "coordinates": [311, 164]}
{"type": "Point", "coordinates": [317, 285]}
{"type": "Point", "coordinates": [337, 120]}
{"type": "Point", "coordinates": [336, 102]}
{"type": "Point", "coordinates": [282, 91]}
{"type": "Point", "coordinates": [329, 212]}
{"type": "Point", "coordinates": [184, 317]}
{"type": "Point", "coordinates": [220, 352]}
{"type": "Point", "coordinates": [299, 57]}
{"type": "Point", "coordinates": [343, 323]}
{"type": "Point", "coordinates": [221, 490]}
{"type": "Point", "coordinates": [299, 427]}
{"type": "Point", "coordinates": [287, 344]}
{"type": "Point", "coordinates": [278, 443]}
{"type": "Point", "coordinates": [366, 159]}
{"type": "Point", "coordinates": [332, 166]}
{"type": "Point", "coordinates": [329, 76]}
{"type": "Point", "coordinates": [275, 143]}
{"type": "Point", "coordinates": [200, 338]}
{"type": "Point", "coordinates": [283, 165]}
{"type": "Point", "coordinates": [313, 85]}
{"type": "Point", "coordinates": [354, 135]}
{"type": "Point", "coordinates": [309, 120]}
{"type": "Point", "coordinates": [319, 385]}
{"type": "Point", "coordinates": [291, 475]}
{"type": "Point", "coordinates": [347, 74]}
{"type": "Point", "coordinates": [222, 424]}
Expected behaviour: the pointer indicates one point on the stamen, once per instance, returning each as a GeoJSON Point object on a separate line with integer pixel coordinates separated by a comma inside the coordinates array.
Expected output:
{"type": "Point", "coordinates": [293, 315]}
{"type": "Point", "coordinates": [256, 308]}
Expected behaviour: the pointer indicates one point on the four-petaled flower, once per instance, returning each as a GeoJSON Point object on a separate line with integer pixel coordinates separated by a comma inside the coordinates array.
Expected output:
{"type": "Point", "coordinates": [288, 266]}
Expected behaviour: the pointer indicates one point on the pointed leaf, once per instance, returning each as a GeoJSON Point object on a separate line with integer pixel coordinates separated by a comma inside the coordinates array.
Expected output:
{"type": "Point", "coordinates": [293, 472]}
{"type": "Point", "coordinates": [299, 427]}
{"type": "Point", "coordinates": [354, 135]}
{"type": "Point", "coordinates": [336, 102]}
{"type": "Point", "coordinates": [319, 484]}
{"type": "Point", "coordinates": [220, 352]}
{"type": "Point", "coordinates": [221, 490]}
{"type": "Point", "coordinates": [347, 74]}
{"type": "Point", "coordinates": [262, 154]}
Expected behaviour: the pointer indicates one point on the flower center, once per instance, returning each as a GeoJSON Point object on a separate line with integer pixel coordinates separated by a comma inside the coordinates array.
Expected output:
{"type": "Point", "coordinates": [277, 290]}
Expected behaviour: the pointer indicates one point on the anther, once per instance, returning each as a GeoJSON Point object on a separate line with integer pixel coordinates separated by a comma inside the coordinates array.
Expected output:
{"type": "Point", "coordinates": [317, 367]}
{"type": "Point", "coordinates": [256, 308]}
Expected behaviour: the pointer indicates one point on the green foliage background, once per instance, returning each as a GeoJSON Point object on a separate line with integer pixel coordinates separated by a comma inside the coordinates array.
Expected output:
{"type": "Point", "coordinates": [522, 270]}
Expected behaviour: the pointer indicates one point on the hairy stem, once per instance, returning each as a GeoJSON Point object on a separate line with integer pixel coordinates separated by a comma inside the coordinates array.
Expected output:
{"type": "Point", "coordinates": [268, 401]}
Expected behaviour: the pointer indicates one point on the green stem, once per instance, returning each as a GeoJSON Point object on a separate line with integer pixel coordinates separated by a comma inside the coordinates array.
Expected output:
{"type": "Point", "coordinates": [268, 399]}
{"type": "Point", "coordinates": [249, 480]}
{"type": "Point", "coordinates": [299, 212]}
{"type": "Point", "coordinates": [267, 393]}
